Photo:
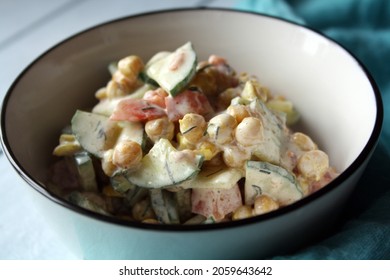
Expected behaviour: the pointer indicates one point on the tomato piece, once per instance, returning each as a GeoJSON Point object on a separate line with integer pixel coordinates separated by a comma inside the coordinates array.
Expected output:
{"type": "Point", "coordinates": [215, 203]}
{"type": "Point", "coordinates": [187, 102]}
{"type": "Point", "coordinates": [136, 110]}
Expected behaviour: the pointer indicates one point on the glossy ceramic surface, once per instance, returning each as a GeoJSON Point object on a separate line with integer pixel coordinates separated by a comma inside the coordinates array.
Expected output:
{"type": "Point", "coordinates": [337, 98]}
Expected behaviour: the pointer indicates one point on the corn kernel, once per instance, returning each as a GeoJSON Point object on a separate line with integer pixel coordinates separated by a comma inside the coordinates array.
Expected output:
{"type": "Point", "coordinates": [253, 90]}
{"type": "Point", "coordinates": [207, 149]}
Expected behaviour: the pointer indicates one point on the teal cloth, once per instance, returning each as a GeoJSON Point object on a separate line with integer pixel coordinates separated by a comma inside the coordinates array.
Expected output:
{"type": "Point", "coordinates": [363, 27]}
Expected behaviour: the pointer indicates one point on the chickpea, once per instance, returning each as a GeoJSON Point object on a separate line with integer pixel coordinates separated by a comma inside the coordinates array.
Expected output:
{"type": "Point", "coordinates": [313, 164]}
{"type": "Point", "coordinates": [303, 141]}
{"type": "Point", "coordinates": [127, 154]}
{"type": "Point", "coordinates": [250, 131]}
{"type": "Point", "coordinates": [239, 112]}
{"type": "Point", "coordinates": [192, 127]}
{"type": "Point", "coordinates": [124, 84]}
{"type": "Point", "coordinates": [242, 212]}
{"type": "Point", "coordinates": [160, 128]}
{"type": "Point", "coordinates": [108, 166]}
{"type": "Point", "coordinates": [264, 204]}
{"type": "Point", "coordinates": [114, 90]}
{"type": "Point", "coordinates": [221, 128]}
{"type": "Point", "coordinates": [130, 67]}
{"type": "Point", "coordinates": [235, 157]}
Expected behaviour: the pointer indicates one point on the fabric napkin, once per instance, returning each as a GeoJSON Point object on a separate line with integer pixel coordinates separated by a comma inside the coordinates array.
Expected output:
{"type": "Point", "coordinates": [363, 27]}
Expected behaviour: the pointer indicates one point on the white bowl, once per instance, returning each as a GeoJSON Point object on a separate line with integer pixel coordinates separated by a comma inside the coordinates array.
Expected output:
{"type": "Point", "coordinates": [338, 100]}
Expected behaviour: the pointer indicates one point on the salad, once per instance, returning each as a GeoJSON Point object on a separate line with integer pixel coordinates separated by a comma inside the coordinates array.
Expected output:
{"type": "Point", "coordinates": [178, 140]}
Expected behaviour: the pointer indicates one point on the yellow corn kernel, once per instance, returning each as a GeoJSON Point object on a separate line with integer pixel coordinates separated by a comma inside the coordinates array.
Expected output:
{"type": "Point", "coordinates": [253, 90]}
{"type": "Point", "coordinates": [127, 154]}
{"type": "Point", "coordinates": [111, 192]}
{"type": "Point", "coordinates": [313, 164]}
{"type": "Point", "coordinates": [264, 204]}
{"type": "Point", "coordinates": [242, 212]}
{"type": "Point", "coordinates": [303, 141]}
{"type": "Point", "coordinates": [68, 145]}
{"type": "Point", "coordinates": [238, 111]}
{"type": "Point", "coordinates": [160, 128]}
{"type": "Point", "coordinates": [192, 127]}
{"type": "Point", "coordinates": [285, 106]}
{"type": "Point", "coordinates": [250, 131]}
{"type": "Point", "coordinates": [207, 149]}
{"type": "Point", "coordinates": [221, 127]}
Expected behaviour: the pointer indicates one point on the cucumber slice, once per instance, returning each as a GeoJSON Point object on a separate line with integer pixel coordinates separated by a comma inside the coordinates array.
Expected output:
{"type": "Point", "coordinates": [135, 195]}
{"type": "Point", "coordinates": [86, 172]}
{"type": "Point", "coordinates": [120, 183]}
{"type": "Point", "coordinates": [164, 206]}
{"type": "Point", "coordinates": [270, 149]}
{"type": "Point", "coordinates": [273, 180]}
{"type": "Point", "coordinates": [164, 166]}
{"type": "Point", "coordinates": [89, 201]}
{"type": "Point", "coordinates": [183, 202]}
{"type": "Point", "coordinates": [94, 132]}
{"type": "Point", "coordinates": [144, 77]}
{"type": "Point", "coordinates": [174, 71]}
{"type": "Point", "coordinates": [216, 178]}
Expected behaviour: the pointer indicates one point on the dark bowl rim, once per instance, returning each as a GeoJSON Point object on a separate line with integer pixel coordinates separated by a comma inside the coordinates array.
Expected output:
{"type": "Point", "coordinates": [356, 164]}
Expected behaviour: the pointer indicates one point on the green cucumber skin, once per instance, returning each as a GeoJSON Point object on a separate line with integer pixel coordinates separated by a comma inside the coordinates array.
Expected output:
{"type": "Point", "coordinates": [164, 206]}
{"type": "Point", "coordinates": [258, 182]}
{"type": "Point", "coordinates": [86, 172]}
{"type": "Point", "coordinates": [159, 170]}
{"type": "Point", "coordinates": [152, 72]}
{"type": "Point", "coordinates": [182, 85]}
{"type": "Point", "coordinates": [86, 126]}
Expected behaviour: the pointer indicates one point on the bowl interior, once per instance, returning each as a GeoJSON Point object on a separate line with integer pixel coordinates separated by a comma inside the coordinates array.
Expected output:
{"type": "Point", "coordinates": [328, 86]}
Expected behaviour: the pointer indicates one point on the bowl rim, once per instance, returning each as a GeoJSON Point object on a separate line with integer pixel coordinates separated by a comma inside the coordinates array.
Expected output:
{"type": "Point", "coordinates": [354, 166]}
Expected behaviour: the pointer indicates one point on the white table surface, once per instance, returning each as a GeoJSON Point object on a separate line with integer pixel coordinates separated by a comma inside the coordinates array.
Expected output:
{"type": "Point", "coordinates": [27, 29]}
